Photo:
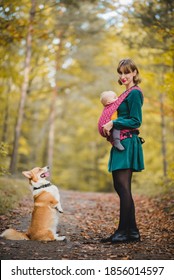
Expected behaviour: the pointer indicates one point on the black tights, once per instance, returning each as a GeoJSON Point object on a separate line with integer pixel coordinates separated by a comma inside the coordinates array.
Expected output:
{"type": "Point", "coordinates": [122, 184]}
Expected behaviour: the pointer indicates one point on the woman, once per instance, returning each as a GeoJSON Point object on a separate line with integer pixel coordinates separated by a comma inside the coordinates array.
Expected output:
{"type": "Point", "coordinates": [123, 163]}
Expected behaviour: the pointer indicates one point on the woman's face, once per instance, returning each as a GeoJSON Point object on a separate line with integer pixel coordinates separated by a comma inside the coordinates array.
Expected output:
{"type": "Point", "coordinates": [127, 78]}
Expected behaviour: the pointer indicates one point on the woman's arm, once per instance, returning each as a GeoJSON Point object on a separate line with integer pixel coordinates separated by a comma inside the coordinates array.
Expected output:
{"type": "Point", "coordinates": [135, 102]}
{"type": "Point", "coordinates": [107, 128]}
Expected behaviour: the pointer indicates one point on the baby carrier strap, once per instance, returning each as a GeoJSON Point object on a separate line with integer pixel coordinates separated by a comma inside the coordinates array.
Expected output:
{"type": "Point", "coordinates": [108, 111]}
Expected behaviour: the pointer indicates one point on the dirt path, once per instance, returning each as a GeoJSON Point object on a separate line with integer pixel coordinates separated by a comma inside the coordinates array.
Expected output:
{"type": "Point", "coordinates": [87, 218]}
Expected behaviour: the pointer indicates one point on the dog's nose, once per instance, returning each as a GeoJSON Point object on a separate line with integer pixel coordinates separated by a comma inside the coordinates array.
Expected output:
{"type": "Point", "coordinates": [48, 167]}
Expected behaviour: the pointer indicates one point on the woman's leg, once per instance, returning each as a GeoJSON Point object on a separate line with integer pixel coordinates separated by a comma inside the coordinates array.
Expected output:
{"type": "Point", "coordinates": [127, 228]}
{"type": "Point", "coordinates": [122, 184]}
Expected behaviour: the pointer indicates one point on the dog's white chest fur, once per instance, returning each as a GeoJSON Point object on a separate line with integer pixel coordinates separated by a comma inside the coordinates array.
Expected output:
{"type": "Point", "coordinates": [45, 212]}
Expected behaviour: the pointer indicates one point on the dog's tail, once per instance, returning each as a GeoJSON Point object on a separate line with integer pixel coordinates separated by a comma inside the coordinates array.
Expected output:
{"type": "Point", "coordinates": [13, 234]}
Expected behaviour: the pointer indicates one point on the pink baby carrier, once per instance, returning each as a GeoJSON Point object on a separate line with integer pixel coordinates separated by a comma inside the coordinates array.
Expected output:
{"type": "Point", "coordinates": [110, 109]}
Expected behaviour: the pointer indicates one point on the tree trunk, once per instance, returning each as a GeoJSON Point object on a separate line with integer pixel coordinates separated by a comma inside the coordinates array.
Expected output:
{"type": "Point", "coordinates": [51, 133]}
{"type": "Point", "coordinates": [24, 88]}
{"type": "Point", "coordinates": [163, 136]}
{"type": "Point", "coordinates": [52, 128]}
{"type": "Point", "coordinates": [6, 116]}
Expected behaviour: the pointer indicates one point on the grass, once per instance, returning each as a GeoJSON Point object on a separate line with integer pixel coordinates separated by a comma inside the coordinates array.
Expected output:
{"type": "Point", "coordinates": [148, 184]}
{"type": "Point", "coordinates": [12, 190]}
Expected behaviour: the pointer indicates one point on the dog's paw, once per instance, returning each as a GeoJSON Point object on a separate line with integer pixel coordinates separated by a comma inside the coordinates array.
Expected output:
{"type": "Point", "coordinates": [60, 238]}
{"type": "Point", "coordinates": [59, 209]}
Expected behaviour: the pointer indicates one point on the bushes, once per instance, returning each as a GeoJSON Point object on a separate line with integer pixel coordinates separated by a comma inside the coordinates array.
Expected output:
{"type": "Point", "coordinates": [11, 192]}
{"type": "Point", "coordinates": [3, 158]}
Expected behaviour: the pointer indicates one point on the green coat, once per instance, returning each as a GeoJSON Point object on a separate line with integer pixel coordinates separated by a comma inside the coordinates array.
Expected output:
{"type": "Point", "coordinates": [129, 116]}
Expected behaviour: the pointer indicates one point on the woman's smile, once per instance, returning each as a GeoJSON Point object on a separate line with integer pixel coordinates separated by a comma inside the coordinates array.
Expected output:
{"type": "Point", "coordinates": [127, 78]}
{"type": "Point", "coordinates": [123, 80]}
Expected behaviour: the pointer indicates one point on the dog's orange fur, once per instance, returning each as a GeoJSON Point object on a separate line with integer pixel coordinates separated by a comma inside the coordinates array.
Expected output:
{"type": "Point", "coordinates": [43, 217]}
{"type": "Point", "coordinates": [45, 213]}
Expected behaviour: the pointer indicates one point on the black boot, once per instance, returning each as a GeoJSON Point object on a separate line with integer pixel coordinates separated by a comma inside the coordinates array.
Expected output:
{"type": "Point", "coordinates": [134, 235]}
{"type": "Point", "coordinates": [107, 239]}
{"type": "Point", "coordinates": [120, 236]}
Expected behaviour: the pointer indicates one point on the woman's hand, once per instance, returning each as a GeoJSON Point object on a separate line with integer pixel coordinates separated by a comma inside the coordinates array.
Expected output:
{"type": "Point", "coordinates": [107, 128]}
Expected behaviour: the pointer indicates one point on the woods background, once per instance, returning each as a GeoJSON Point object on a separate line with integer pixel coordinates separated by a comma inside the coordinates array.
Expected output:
{"type": "Point", "coordinates": [56, 58]}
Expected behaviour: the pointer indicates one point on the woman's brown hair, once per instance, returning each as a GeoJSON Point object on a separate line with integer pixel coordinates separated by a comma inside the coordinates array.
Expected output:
{"type": "Point", "coordinates": [127, 66]}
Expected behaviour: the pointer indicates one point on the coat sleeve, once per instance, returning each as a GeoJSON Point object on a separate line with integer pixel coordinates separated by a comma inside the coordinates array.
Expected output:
{"type": "Point", "coordinates": [134, 116]}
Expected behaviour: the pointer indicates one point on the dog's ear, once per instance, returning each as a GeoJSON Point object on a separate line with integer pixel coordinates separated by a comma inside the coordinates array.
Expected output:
{"type": "Point", "coordinates": [27, 174]}
{"type": "Point", "coordinates": [33, 177]}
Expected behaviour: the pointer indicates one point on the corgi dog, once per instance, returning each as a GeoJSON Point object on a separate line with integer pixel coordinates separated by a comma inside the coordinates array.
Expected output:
{"type": "Point", "coordinates": [47, 204]}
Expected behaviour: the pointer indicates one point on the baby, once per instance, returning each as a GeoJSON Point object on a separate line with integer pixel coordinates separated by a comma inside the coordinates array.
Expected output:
{"type": "Point", "coordinates": [109, 101]}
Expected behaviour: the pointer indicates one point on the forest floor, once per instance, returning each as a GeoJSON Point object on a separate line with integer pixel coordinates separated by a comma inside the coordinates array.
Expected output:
{"type": "Point", "coordinates": [87, 218]}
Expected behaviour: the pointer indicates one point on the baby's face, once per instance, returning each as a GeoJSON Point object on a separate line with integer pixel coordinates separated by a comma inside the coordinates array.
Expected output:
{"type": "Point", "coordinates": [109, 98]}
